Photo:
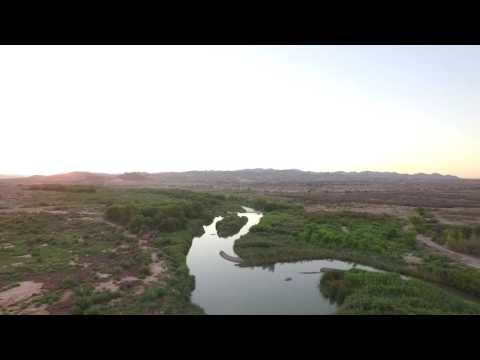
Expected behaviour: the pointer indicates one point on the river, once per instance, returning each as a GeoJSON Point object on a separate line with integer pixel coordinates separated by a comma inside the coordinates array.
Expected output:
{"type": "Point", "coordinates": [223, 287]}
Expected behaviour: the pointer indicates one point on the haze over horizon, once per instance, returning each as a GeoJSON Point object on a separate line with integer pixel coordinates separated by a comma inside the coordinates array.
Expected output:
{"type": "Point", "coordinates": [216, 170]}
{"type": "Point", "coordinates": [115, 109]}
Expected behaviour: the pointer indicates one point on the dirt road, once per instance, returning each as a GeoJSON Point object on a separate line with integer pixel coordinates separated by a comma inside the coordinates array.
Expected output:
{"type": "Point", "coordinates": [462, 258]}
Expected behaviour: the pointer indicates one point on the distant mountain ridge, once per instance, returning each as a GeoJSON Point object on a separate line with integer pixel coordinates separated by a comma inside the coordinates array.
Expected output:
{"type": "Point", "coordinates": [10, 176]}
{"type": "Point", "coordinates": [236, 176]}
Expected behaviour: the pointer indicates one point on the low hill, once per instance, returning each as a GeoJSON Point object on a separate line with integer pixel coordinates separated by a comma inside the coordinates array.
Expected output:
{"type": "Point", "coordinates": [10, 176]}
{"type": "Point", "coordinates": [248, 176]}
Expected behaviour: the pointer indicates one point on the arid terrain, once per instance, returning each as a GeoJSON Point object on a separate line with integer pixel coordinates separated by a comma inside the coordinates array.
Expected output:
{"type": "Point", "coordinates": [84, 243]}
{"type": "Point", "coordinates": [453, 200]}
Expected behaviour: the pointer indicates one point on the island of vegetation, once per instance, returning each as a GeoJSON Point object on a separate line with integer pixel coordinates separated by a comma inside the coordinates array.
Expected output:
{"type": "Point", "coordinates": [230, 225]}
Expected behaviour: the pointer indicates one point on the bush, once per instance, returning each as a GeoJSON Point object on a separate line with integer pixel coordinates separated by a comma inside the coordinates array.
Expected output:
{"type": "Point", "coordinates": [153, 294]}
{"type": "Point", "coordinates": [87, 300]}
{"type": "Point", "coordinates": [120, 214]}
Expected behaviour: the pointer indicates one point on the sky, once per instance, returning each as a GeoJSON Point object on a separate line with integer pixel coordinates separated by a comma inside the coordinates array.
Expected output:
{"type": "Point", "coordinates": [116, 109]}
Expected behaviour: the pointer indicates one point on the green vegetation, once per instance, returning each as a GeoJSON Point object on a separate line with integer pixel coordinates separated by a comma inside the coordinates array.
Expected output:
{"type": "Point", "coordinates": [91, 302]}
{"type": "Point", "coordinates": [65, 188]}
{"type": "Point", "coordinates": [46, 243]}
{"type": "Point", "coordinates": [460, 238]}
{"type": "Point", "coordinates": [72, 249]}
{"type": "Point", "coordinates": [165, 218]}
{"type": "Point", "coordinates": [368, 235]}
{"type": "Point", "coordinates": [230, 225]}
{"type": "Point", "coordinates": [266, 204]}
{"type": "Point", "coordinates": [439, 269]}
{"type": "Point", "coordinates": [168, 216]}
{"type": "Point", "coordinates": [290, 235]}
{"type": "Point", "coordinates": [372, 293]}
{"type": "Point", "coordinates": [87, 232]}
{"type": "Point", "coordinates": [49, 298]}
{"type": "Point", "coordinates": [377, 241]}
{"type": "Point", "coordinates": [176, 217]}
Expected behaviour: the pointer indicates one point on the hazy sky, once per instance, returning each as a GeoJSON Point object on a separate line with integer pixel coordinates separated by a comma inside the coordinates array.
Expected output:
{"type": "Point", "coordinates": [172, 108]}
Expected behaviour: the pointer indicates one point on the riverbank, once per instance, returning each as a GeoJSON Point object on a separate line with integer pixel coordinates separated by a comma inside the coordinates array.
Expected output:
{"type": "Point", "coordinates": [365, 293]}
{"type": "Point", "coordinates": [60, 253]}
{"type": "Point", "coordinates": [377, 241]}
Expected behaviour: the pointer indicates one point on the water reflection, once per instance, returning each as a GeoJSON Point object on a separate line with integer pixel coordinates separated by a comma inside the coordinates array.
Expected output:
{"type": "Point", "coordinates": [222, 287]}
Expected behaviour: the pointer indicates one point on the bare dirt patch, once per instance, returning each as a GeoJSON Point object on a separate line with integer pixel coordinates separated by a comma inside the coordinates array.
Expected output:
{"type": "Point", "coordinates": [391, 210]}
{"type": "Point", "coordinates": [157, 268]}
{"type": "Point", "coordinates": [127, 279]}
{"type": "Point", "coordinates": [103, 276]}
{"type": "Point", "coordinates": [458, 216]}
{"type": "Point", "coordinates": [413, 260]}
{"type": "Point", "coordinates": [107, 286]}
{"type": "Point", "coordinates": [22, 292]}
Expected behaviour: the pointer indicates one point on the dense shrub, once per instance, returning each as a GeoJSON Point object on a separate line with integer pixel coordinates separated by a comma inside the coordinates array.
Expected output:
{"type": "Point", "coordinates": [63, 188]}
{"type": "Point", "coordinates": [378, 236]}
{"type": "Point", "coordinates": [230, 225]}
{"type": "Point", "coordinates": [169, 216]}
{"type": "Point", "coordinates": [120, 214]}
{"type": "Point", "coordinates": [269, 205]}
{"type": "Point", "coordinates": [362, 292]}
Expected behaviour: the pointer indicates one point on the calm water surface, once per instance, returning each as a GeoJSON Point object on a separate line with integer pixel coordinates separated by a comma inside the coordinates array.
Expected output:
{"type": "Point", "coordinates": [222, 287]}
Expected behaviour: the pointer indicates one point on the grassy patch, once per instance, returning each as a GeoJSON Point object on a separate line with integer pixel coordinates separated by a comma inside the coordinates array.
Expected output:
{"type": "Point", "coordinates": [91, 302]}
{"type": "Point", "coordinates": [42, 243]}
{"type": "Point", "coordinates": [370, 293]}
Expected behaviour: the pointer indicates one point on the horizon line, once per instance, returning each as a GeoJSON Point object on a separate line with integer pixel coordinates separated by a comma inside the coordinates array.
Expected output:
{"type": "Point", "coordinates": [243, 169]}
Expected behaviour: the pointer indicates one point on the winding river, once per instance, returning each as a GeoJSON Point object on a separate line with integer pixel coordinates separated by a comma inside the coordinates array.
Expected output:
{"type": "Point", "coordinates": [222, 287]}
